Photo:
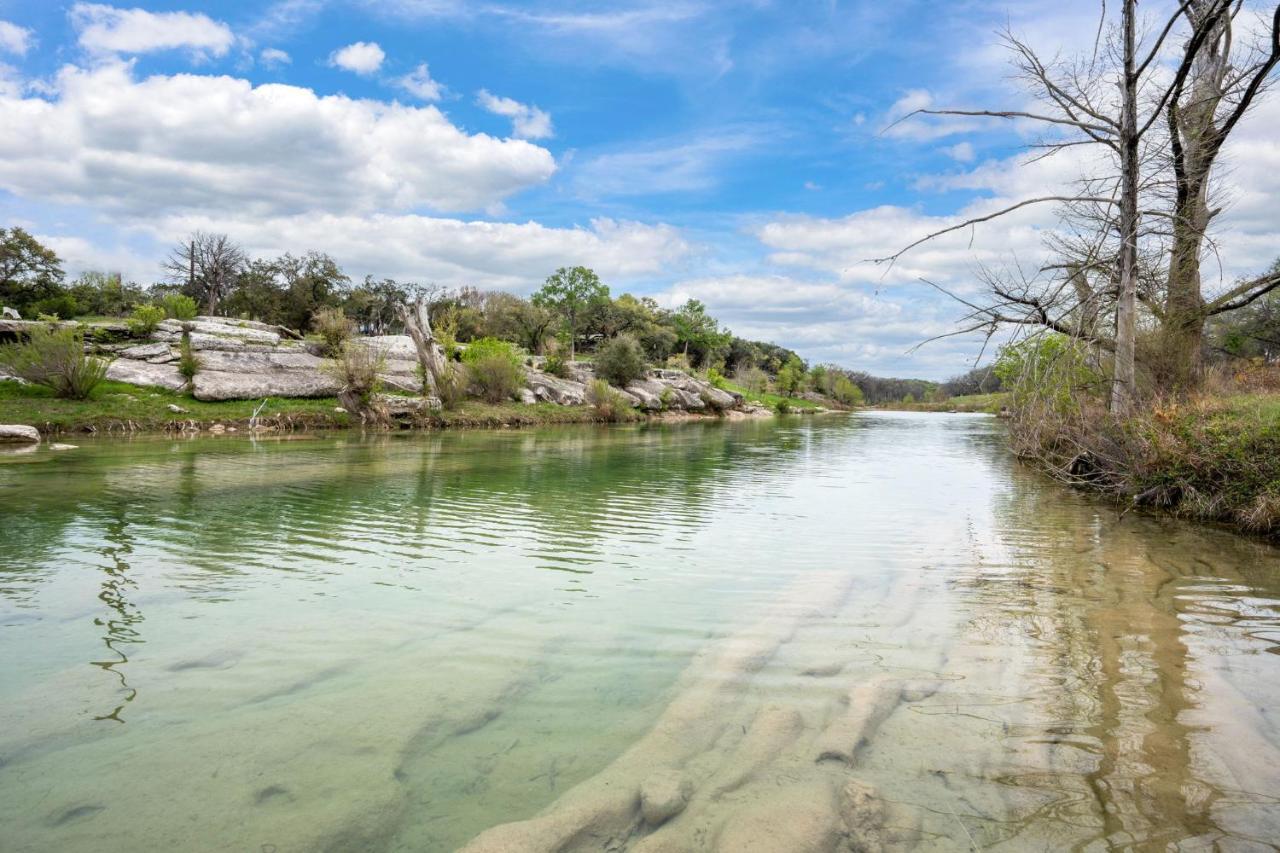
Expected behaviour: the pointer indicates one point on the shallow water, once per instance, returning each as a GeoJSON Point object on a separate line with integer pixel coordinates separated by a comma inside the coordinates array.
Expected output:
{"type": "Point", "coordinates": [399, 642]}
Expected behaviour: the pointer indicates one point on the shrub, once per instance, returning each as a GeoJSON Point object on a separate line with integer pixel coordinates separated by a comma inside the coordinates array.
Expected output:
{"type": "Point", "coordinates": [1050, 370]}
{"type": "Point", "coordinates": [357, 368]}
{"type": "Point", "coordinates": [63, 306]}
{"type": "Point", "coordinates": [179, 306]}
{"type": "Point", "coordinates": [495, 368]}
{"type": "Point", "coordinates": [608, 403]}
{"type": "Point", "coordinates": [753, 379]}
{"type": "Point", "coordinates": [679, 361]}
{"type": "Point", "coordinates": [783, 406]}
{"type": "Point", "coordinates": [620, 360]}
{"type": "Point", "coordinates": [144, 319]}
{"type": "Point", "coordinates": [188, 361]}
{"type": "Point", "coordinates": [335, 328]}
{"type": "Point", "coordinates": [555, 363]}
{"type": "Point", "coordinates": [451, 385]}
{"type": "Point", "coordinates": [667, 397]}
{"type": "Point", "coordinates": [716, 378]}
{"type": "Point", "coordinates": [55, 358]}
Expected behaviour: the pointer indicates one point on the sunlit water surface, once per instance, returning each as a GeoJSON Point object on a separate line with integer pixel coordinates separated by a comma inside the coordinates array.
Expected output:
{"type": "Point", "coordinates": [394, 643]}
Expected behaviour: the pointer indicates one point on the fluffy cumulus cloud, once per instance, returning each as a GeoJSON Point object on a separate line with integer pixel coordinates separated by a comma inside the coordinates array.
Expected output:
{"type": "Point", "coordinates": [107, 30]}
{"type": "Point", "coordinates": [144, 147]}
{"type": "Point", "coordinates": [363, 57]}
{"type": "Point", "coordinates": [513, 256]}
{"type": "Point", "coordinates": [527, 121]}
{"type": "Point", "coordinates": [418, 83]}
{"type": "Point", "coordinates": [14, 39]}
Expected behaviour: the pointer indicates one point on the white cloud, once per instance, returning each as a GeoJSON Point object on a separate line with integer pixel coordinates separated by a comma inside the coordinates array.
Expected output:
{"type": "Point", "coordinates": [515, 256]}
{"type": "Point", "coordinates": [274, 57]}
{"type": "Point", "coordinates": [105, 29]}
{"type": "Point", "coordinates": [187, 142]}
{"type": "Point", "coordinates": [662, 166]}
{"type": "Point", "coordinates": [14, 39]}
{"type": "Point", "coordinates": [362, 57]}
{"type": "Point", "coordinates": [961, 152]}
{"type": "Point", "coordinates": [419, 84]}
{"type": "Point", "coordinates": [528, 122]}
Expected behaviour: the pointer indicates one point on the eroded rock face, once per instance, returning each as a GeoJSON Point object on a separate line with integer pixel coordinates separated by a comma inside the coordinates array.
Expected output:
{"type": "Point", "coordinates": [552, 389]}
{"type": "Point", "coordinates": [19, 434]}
{"type": "Point", "coordinates": [144, 373]}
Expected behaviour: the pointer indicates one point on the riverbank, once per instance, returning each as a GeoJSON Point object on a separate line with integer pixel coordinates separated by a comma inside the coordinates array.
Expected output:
{"type": "Point", "coordinates": [121, 407]}
{"type": "Point", "coordinates": [1210, 458]}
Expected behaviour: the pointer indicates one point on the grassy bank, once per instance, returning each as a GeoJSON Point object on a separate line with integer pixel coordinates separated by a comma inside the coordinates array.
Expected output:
{"type": "Point", "coordinates": [1210, 458]}
{"type": "Point", "coordinates": [120, 407]}
{"type": "Point", "coordinates": [772, 401]}
{"type": "Point", "coordinates": [987, 403]}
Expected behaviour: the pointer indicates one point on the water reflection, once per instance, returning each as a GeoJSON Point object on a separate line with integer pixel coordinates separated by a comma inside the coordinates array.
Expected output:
{"type": "Point", "coordinates": [122, 623]}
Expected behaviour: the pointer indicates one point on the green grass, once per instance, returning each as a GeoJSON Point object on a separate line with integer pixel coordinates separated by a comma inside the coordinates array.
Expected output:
{"type": "Point", "coordinates": [119, 406]}
{"type": "Point", "coordinates": [989, 403]}
{"type": "Point", "coordinates": [770, 401]}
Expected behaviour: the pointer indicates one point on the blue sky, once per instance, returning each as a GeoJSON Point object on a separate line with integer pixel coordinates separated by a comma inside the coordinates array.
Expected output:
{"type": "Point", "coordinates": [731, 151]}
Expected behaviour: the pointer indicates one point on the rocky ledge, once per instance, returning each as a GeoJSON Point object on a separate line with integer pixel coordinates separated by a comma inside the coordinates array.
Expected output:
{"type": "Point", "coordinates": [241, 360]}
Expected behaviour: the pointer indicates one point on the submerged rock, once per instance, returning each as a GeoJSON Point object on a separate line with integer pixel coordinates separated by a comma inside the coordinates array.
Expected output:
{"type": "Point", "coordinates": [663, 795]}
{"type": "Point", "coordinates": [19, 433]}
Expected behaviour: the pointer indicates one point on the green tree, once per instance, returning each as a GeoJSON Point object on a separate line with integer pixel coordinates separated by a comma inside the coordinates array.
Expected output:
{"type": "Point", "coordinates": [29, 271]}
{"type": "Point", "coordinates": [791, 377]}
{"type": "Point", "coordinates": [571, 292]}
{"type": "Point", "coordinates": [511, 318]}
{"type": "Point", "coordinates": [697, 329]}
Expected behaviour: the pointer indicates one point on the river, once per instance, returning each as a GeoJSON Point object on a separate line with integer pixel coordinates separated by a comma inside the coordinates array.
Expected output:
{"type": "Point", "coordinates": [874, 631]}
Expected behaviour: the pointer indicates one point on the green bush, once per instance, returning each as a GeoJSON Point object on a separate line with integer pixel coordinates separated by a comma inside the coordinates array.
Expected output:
{"type": "Point", "coordinates": [494, 367]}
{"type": "Point", "coordinates": [556, 363]}
{"type": "Point", "coordinates": [188, 361]}
{"type": "Point", "coordinates": [357, 367]}
{"type": "Point", "coordinates": [144, 319]}
{"type": "Point", "coordinates": [753, 379]}
{"type": "Point", "coordinates": [179, 306]}
{"type": "Point", "coordinates": [716, 378]}
{"type": "Point", "coordinates": [620, 360]}
{"type": "Point", "coordinates": [783, 406]}
{"type": "Point", "coordinates": [608, 403]}
{"type": "Point", "coordinates": [451, 385]}
{"type": "Point", "coordinates": [334, 328]}
{"type": "Point", "coordinates": [54, 358]}
{"type": "Point", "coordinates": [1050, 370]}
{"type": "Point", "coordinates": [62, 306]}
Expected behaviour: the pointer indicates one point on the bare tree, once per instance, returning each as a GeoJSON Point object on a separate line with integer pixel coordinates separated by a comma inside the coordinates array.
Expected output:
{"type": "Point", "coordinates": [206, 265]}
{"type": "Point", "coordinates": [1123, 219]}
{"type": "Point", "coordinates": [416, 316]}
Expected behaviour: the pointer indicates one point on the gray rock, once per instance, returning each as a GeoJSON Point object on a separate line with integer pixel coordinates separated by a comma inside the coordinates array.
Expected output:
{"type": "Point", "coordinates": [552, 389]}
{"type": "Point", "coordinates": [19, 433]}
{"type": "Point", "coordinates": [648, 392]}
{"type": "Point", "coordinates": [143, 373]}
{"type": "Point", "coordinates": [144, 352]}
{"type": "Point", "coordinates": [10, 313]}
{"type": "Point", "coordinates": [247, 331]}
{"type": "Point", "coordinates": [526, 396]}
{"type": "Point", "coordinates": [176, 409]}
{"type": "Point", "coordinates": [227, 385]}
{"type": "Point", "coordinates": [663, 795]}
{"type": "Point", "coordinates": [393, 347]}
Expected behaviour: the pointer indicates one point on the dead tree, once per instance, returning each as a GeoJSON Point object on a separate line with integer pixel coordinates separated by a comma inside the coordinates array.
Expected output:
{"type": "Point", "coordinates": [208, 265]}
{"type": "Point", "coordinates": [1119, 107]}
{"type": "Point", "coordinates": [416, 316]}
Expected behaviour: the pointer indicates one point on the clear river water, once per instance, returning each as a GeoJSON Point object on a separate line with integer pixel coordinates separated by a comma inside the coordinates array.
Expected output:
{"type": "Point", "coordinates": [865, 632]}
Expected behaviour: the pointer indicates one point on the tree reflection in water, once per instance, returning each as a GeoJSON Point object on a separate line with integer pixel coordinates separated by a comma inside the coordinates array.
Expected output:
{"type": "Point", "coordinates": [122, 622]}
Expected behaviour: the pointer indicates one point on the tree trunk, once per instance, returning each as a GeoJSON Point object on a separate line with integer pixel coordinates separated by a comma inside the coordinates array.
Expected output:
{"type": "Point", "coordinates": [1124, 381]}
{"type": "Point", "coordinates": [417, 322]}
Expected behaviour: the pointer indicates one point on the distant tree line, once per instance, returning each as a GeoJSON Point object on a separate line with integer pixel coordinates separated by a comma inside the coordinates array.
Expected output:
{"type": "Point", "coordinates": [573, 312]}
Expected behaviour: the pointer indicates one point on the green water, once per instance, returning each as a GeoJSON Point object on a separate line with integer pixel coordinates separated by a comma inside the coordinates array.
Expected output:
{"type": "Point", "coordinates": [396, 642]}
